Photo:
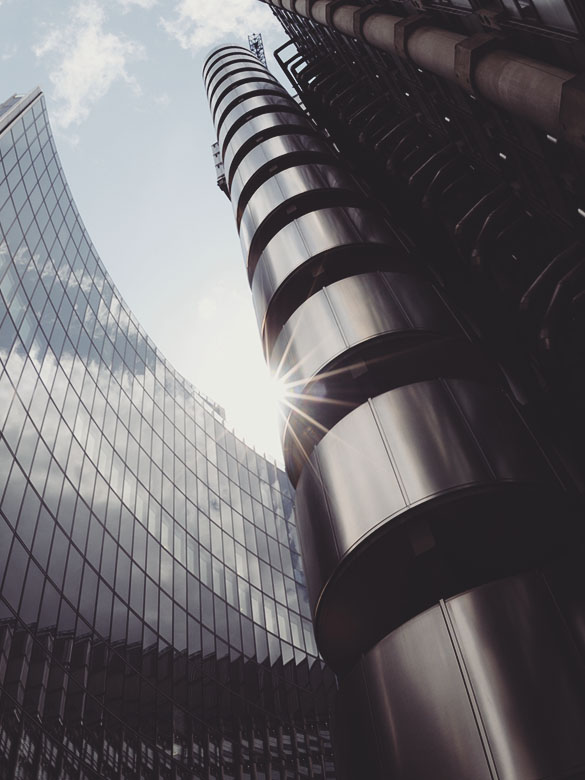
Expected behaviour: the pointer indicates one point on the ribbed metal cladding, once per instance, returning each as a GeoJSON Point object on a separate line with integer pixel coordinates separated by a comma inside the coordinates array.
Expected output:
{"type": "Point", "coordinates": [417, 478]}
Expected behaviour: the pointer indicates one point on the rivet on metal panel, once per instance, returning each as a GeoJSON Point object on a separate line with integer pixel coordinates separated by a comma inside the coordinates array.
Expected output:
{"type": "Point", "coordinates": [403, 30]}
{"type": "Point", "coordinates": [469, 52]}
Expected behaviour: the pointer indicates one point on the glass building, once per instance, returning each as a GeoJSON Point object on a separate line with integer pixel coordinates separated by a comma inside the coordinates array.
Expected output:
{"type": "Point", "coordinates": [154, 619]}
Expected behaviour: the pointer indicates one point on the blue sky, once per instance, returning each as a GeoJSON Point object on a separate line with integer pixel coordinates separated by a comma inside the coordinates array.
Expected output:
{"type": "Point", "coordinates": [122, 81]}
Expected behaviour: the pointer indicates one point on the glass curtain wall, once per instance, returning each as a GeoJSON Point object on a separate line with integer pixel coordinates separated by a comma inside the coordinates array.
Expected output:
{"type": "Point", "coordinates": [154, 619]}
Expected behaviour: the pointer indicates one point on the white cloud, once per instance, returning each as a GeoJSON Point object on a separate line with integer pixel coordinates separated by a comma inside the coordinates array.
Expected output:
{"type": "Point", "coordinates": [138, 3]}
{"type": "Point", "coordinates": [201, 23]}
{"type": "Point", "coordinates": [87, 60]}
{"type": "Point", "coordinates": [9, 51]}
{"type": "Point", "coordinates": [162, 100]}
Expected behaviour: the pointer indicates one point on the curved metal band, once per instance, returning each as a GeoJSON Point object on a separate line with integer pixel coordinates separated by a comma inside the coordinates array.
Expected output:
{"type": "Point", "coordinates": [354, 339]}
{"type": "Point", "coordinates": [215, 52]}
{"type": "Point", "coordinates": [467, 658]}
{"type": "Point", "coordinates": [239, 87]}
{"type": "Point", "coordinates": [250, 109]}
{"type": "Point", "coordinates": [252, 133]}
{"type": "Point", "coordinates": [442, 466]}
{"type": "Point", "coordinates": [261, 92]}
{"type": "Point", "coordinates": [236, 52]}
{"type": "Point", "coordinates": [230, 72]}
{"type": "Point", "coordinates": [229, 66]}
{"type": "Point", "coordinates": [288, 194]}
{"type": "Point", "coordinates": [315, 249]}
{"type": "Point", "coordinates": [273, 156]}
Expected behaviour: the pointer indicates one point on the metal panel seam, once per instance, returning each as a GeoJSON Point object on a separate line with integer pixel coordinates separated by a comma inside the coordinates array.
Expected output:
{"type": "Point", "coordinates": [336, 318]}
{"type": "Point", "coordinates": [561, 615]}
{"type": "Point", "coordinates": [388, 448]}
{"type": "Point", "coordinates": [398, 303]}
{"type": "Point", "coordinates": [485, 743]}
{"type": "Point", "coordinates": [470, 430]}
{"type": "Point", "coordinates": [371, 709]}
{"type": "Point", "coordinates": [329, 517]}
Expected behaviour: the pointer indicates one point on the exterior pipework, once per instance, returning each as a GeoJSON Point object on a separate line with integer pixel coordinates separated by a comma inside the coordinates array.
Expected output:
{"type": "Point", "coordinates": [417, 479]}
{"type": "Point", "coordinates": [535, 91]}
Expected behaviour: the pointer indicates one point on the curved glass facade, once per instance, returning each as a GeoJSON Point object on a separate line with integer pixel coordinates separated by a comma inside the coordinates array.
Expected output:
{"type": "Point", "coordinates": [154, 620]}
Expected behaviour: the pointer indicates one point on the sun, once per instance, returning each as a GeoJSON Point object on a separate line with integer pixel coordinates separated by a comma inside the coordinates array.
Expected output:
{"type": "Point", "coordinates": [278, 391]}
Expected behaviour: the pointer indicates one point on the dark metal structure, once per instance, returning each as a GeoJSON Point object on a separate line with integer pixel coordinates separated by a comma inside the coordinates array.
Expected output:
{"type": "Point", "coordinates": [256, 46]}
{"type": "Point", "coordinates": [420, 297]}
{"type": "Point", "coordinates": [469, 126]}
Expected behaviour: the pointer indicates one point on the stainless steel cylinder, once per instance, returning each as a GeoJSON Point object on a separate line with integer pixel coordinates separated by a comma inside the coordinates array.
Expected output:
{"type": "Point", "coordinates": [315, 249]}
{"type": "Point", "coordinates": [348, 342]}
{"type": "Point", "coordinates": [417, 478]}
{"type": "Point", "coordinates": [295, 191]}
{"type": "Point", "coordinates": [498, 691]}
{"type": "Point", "coordinates": [266, 157]}
{"type": "Point", "coordinates": [444, 469]}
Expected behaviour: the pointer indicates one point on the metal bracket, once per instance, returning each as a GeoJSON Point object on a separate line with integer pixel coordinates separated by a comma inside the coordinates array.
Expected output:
{"type": "Point", "coordinates": [330, 10]}
{"type": "Point", "coordinates": [469, 52]}
{"type": "Point", "coordinates": [572, 110]}
{"type": "Point", "coordinates": [490, 18]}
{"type": "Point", "coordinates": [404, 28]}
{"type": "Point", "coordinates": [362, 14]}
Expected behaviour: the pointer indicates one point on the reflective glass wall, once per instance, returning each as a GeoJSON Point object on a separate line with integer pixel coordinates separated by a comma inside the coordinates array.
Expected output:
{"type": "Point", "coordinates": [154, 619]}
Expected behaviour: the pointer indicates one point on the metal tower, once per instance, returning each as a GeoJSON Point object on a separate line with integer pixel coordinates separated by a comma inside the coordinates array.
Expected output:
{"type": "Point", "coordinates": [256, 46]}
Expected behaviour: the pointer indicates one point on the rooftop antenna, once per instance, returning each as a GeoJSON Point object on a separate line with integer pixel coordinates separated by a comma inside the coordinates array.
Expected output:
{"type": "Point", "coordinates": [256, 46]}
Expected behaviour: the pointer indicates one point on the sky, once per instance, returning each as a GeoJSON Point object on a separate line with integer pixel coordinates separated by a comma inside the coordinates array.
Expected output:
{"type": "Point", "coordinates": [122, 81]}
